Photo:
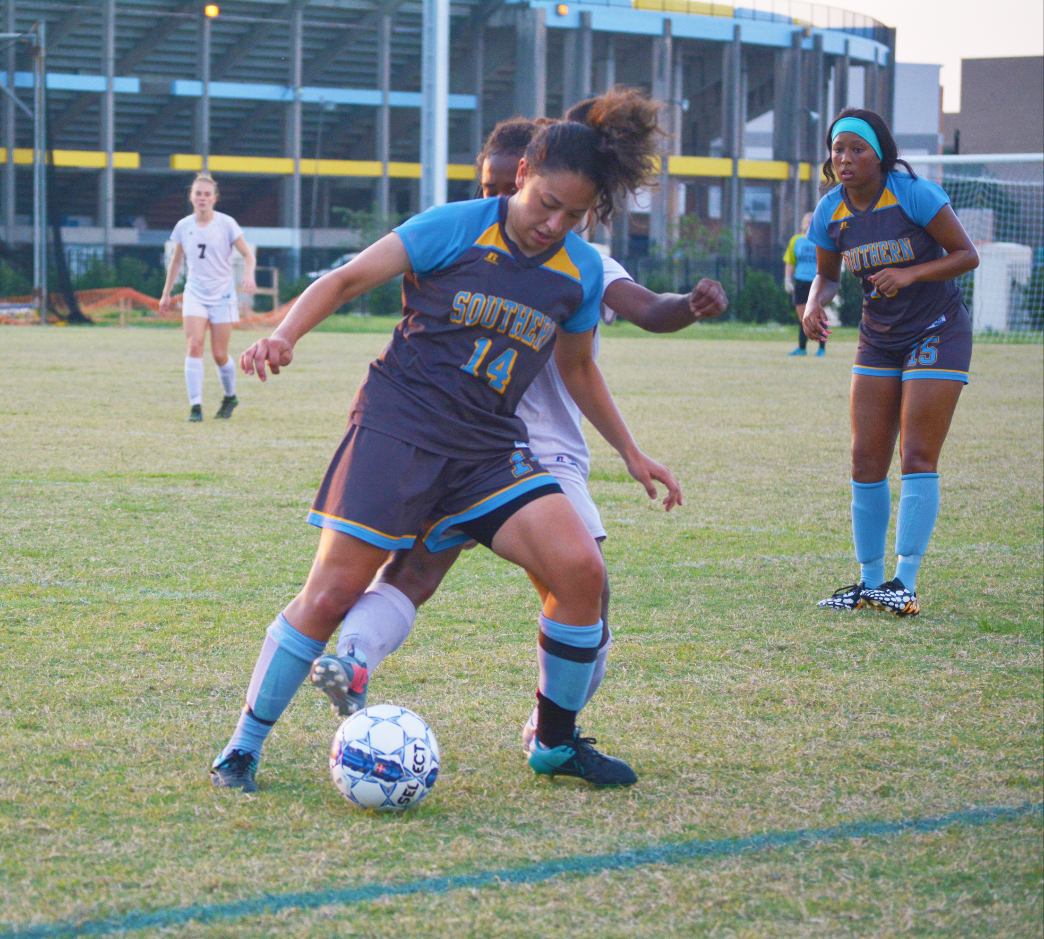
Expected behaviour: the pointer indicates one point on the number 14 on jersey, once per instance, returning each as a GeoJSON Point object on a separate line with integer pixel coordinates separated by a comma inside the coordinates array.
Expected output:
{"type": "Point", "coordinates": [498, 372]}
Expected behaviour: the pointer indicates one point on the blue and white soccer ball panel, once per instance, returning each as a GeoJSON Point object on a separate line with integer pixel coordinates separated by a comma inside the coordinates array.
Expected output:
{"type": "Point", "coordinates": [384, 757]}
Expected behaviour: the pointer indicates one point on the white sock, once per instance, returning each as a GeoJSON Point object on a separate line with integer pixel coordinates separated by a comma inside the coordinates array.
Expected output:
{"type": "Point", "coordinates": [378, 624]}
{"type": "Point", "coordinates": [194, 379]}
{"type": "Point", "coordinates": [227, 374]}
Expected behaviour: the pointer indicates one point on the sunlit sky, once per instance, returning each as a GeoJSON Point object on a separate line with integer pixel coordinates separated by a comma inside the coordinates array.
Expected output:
{"type": "Point", "coordinates": [945, 33]}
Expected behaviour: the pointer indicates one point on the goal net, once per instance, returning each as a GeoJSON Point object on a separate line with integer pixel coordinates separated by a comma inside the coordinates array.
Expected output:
{"type": "Point", "coordinates": [1000, 201]}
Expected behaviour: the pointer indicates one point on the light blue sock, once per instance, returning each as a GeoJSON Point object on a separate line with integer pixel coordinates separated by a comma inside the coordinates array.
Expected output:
{"type": "Point", "coordinates": [285, 659]}
{"type": "Point", "coordinates": [918, 510]}
{"type": "Point", "coordinates": [567, 656]}
{"type": "Point", "coordinates": [871, 507]}
{"type": "Point", "coordinates": [598, 672]}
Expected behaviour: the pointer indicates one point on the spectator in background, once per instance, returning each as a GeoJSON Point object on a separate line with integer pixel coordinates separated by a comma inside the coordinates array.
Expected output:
{"type": "Point", "coordinates": [800, 269]}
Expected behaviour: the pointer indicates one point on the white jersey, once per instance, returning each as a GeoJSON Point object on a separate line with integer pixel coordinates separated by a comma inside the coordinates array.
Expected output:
{"type": "Point", "coordinates": [551, 415]}
{"type": "Point", "coordinates": [208, 254]}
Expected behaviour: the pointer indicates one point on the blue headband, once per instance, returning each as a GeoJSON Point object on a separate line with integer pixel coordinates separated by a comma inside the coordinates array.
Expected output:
{"type": "Point", "coordinates": [856, 125]}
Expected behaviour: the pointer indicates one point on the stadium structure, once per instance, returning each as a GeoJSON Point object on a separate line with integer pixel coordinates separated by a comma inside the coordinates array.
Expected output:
{"type": "Point", "coordinates": [311, 109]}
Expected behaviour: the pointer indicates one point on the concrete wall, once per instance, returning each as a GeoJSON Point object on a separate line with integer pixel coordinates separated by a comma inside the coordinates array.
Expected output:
{"type": "Point", "coordinates": [1002, 106]}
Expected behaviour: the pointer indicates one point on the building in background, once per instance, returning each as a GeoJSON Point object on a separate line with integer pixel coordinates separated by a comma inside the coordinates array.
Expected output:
{"type": "Point", "coordinates": [917, 124]}
{"type": "Point", "coordinates": [1002, 107]}
{"type": "Point", "coordinates": [310, 110]}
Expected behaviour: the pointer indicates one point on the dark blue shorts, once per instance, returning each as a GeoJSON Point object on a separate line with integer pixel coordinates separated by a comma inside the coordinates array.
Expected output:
{"type": "Point", "coordinates": [387, 492]}
{"type": "Point", "coordinates": [943, 351]}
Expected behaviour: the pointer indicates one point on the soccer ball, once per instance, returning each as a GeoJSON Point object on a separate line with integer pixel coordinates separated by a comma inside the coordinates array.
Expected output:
{"type": "Point", "coordinates": [384, 757]}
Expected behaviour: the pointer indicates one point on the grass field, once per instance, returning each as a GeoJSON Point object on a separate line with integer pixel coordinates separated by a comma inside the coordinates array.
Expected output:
{"type": "Point", "coordinates": [141, 559]}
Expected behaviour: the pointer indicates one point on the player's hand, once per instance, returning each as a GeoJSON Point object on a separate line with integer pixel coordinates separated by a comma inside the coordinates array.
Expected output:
{"type": "Point", "coordinates": [788, 285]}
{"type": "Point", "coordinates": [276, 352]}
{"type": "Point", "coordinates": [164, 307]}
{"type": "Point", "coordinates": [708, 299]}
{"type": "Point", "coordinates": [249, 285]}
{"type": "Point", "coordinates": [891, 280]}
{"type": "Point", "coordinates": [648, 472]}
{"type": "Point", "coordinates": [815, 321]}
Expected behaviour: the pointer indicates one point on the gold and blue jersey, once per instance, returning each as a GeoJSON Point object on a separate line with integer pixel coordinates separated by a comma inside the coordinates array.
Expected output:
{"type": "Point", "coordinates": [478, 326]}
{"type": "Point", "coordinates": [890, 233]}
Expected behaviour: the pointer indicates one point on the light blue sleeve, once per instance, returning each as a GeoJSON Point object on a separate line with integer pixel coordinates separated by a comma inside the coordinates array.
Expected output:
{"type": "Point", "coordinates": [592, 275]}
{"type": "Point", "coordinates": [437, 237]}
{"type": "Point", "coordinates": [920, 198]}
{"type": "Point", "coordinates": [817, 231]}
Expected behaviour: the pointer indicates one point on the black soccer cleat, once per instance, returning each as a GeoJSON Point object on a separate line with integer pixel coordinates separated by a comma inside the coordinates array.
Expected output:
{"type": "Point", "coordinates": [582, 760]}
{"type": "Point", "coordinates": [228, 405]}
{"type": "Point", "coordinates": [893, 596]}
{"type": "Point", "coordinates": [195, 414]}
{"type": "Point", "coordinates": [846, 598]}
{"type": "Point", "coordinates": [235, 771]}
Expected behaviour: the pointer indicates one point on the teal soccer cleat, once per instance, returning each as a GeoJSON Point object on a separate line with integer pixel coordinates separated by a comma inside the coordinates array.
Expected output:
{"type": "Point", "coordinates": [582, 760]}
{"type": "Point", "coordinates": [235, 771]}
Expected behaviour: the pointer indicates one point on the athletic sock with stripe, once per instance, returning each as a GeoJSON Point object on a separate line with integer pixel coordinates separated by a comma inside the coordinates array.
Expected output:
{"type": "Point", "coordinates": [566, 655]}
{"type": "Point", "coordinates": [285, 659]}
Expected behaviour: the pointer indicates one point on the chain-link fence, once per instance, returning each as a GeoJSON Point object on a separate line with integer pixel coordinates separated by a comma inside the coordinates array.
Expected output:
{"type": "Point", "coordinates": [1000, 202]}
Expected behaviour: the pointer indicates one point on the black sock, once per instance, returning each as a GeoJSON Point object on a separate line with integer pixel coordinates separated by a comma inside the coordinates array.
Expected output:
{"type": "Point", "coordinates": [802, 338]}
{"type": "Point", "coordinates": [555, 725]}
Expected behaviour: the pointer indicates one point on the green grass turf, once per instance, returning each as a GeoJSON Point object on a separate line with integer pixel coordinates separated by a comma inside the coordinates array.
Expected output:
{"type": "Point", "coordinates": [142, 557]}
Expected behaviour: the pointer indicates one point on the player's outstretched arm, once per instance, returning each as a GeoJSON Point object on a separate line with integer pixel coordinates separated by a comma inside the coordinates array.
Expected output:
{"type": "Point", "coordinates": [665, 312]}
{"type": "Point", "coordinates": [587, 387]}
{"type": "Point", "coordinates": [824, 288]}
{"type": "Point", "coordinates": [378, 264]}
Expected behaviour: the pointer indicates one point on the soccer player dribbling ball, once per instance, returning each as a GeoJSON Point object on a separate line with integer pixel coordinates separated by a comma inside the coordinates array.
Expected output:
{"type": "Point", "coordinates": [899, 235]}
{"type": "Point", "coordinates": [384, 616]}
{"type": "Point", "coordinates": [490, 287]}
{"type": "Point", "coordinates": [205, 240]}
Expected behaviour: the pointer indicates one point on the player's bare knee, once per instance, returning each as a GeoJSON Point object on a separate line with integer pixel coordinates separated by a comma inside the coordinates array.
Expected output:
{"type": "Point", "coordinates": [195, 349]}
{"type": "Point", "coordinates": [869, 465]}
{"type": "Point", "coordinates": [332, 603]}
{"type": "Point", "coordinates": [915, 461]}
{"type": "Point", "coordinates": [585, 575]}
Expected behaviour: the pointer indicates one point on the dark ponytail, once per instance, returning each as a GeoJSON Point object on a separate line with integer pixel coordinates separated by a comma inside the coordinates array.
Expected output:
{"type": "Point", "coordinates": [889, 150]}
{"type": "Point", "coordinates": [611, 139]}
{"type": "Point", "coordinates": [510, 137]}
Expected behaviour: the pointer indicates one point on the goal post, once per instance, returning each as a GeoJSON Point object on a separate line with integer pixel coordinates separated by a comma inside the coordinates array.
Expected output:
{"type": "Point", "coordinates": [999, 199]}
